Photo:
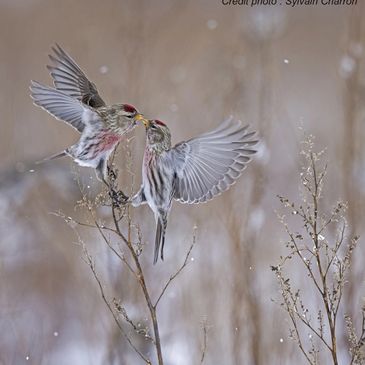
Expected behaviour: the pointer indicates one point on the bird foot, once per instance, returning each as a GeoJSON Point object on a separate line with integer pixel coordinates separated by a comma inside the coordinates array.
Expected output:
{"type": "Point", "coordinates": [111, 174]}
{"type": "Point", "coordinates": [118, 198]}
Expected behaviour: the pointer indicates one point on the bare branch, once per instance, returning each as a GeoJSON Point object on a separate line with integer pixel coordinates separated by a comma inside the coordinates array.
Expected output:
{"type": "Point", "coordinates": [140, 331]}
{"type": "Point", "coordinates": [89, 261]}
{"type": "Point", "coordinates": [172, 277]}
{"type": "Point", "coordinates": [326, 267]}
{"type": "Point", "coordinates": [205, 339]}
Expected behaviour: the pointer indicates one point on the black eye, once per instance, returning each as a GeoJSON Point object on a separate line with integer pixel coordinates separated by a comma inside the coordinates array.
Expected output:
{"type": "Point", "coordinates": [131, 115]}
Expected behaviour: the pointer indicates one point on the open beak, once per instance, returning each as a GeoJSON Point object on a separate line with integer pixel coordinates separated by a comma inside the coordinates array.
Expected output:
{"type": "Point", "coordinates": [140, 117]}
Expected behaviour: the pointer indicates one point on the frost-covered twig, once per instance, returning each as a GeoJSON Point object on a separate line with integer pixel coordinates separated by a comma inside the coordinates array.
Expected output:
{"type": "Point", "coordinates": [325, 260]}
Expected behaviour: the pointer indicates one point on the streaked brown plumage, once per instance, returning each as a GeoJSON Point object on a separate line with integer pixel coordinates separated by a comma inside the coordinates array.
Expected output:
{"type": "Point", "coordinates": [191, 172]}
{"type": "Point", "coordinates": [76, 101]}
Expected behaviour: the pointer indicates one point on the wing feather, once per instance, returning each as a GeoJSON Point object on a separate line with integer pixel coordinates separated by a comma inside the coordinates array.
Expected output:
{"type": "Point", "coordinates": [63, 106]}
{"type": "Point", "coordinates": [69, 78]}
{"type": "Point", "coordinates": [209, 164]}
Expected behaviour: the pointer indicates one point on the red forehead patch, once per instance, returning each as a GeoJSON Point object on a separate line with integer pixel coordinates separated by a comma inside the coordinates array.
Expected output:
{"type": "Point", "coordinates": [160, 123]}
{"type": "Point", "coordinates": [129, 108]}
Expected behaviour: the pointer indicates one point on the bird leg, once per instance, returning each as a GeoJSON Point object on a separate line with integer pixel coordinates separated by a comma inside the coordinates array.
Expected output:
{"type": "Point", "coordinates": [117, 196]}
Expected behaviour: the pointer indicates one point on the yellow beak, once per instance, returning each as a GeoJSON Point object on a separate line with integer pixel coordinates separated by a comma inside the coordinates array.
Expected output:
{"type": "Point", "coordinates": [140, 117]}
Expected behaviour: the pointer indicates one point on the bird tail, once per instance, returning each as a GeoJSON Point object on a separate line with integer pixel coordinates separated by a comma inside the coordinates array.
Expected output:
{"type": "Point", "coordinates": [53, 157]}
{"type": "Point", "coordinates": [160, 237]}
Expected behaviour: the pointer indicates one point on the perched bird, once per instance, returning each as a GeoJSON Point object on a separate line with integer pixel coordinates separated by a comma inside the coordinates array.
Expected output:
{"type": "Point", "coordinates": [191, 172]}
{"type": "Point", "coordinates": [76, 101]}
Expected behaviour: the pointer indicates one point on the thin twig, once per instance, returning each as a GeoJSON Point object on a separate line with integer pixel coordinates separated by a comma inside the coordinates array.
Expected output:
{"type": "Point", "coordinates": [139, 331]}
{"type": "Point", "coordinates": [91, 264]}
{"type": "Point", "coordinates": [205, 340]}
{"type": "Point", "coordinates": [142, 283]}
{"type": "Point", "coordinates": [172, 277]}
{"type": "Point", "coordinates": [121, 257]}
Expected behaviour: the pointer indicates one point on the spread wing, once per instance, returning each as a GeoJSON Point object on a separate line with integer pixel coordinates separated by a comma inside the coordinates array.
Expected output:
{"type": "Point", "coordinates": [70, 79]}
{"type": "Point", "coordinates": [63, 106]}
{"type": "Point", "coordinates": [209, 164]}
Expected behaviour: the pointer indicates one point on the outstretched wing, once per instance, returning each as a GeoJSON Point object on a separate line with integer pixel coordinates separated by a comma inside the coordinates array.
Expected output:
{"type": "Point", "coordinates": [63, 106]}
{"type": "Point", "coordinates": [70, 79]}
{"type": "Point", "coordinates": [209, 164]}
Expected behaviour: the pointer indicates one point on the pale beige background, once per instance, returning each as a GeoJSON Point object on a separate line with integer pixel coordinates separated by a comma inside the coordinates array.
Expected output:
{"type": "Point", "coordinates": [191, 64]}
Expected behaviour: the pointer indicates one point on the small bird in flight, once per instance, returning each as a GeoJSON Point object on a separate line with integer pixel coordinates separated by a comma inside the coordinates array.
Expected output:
{"type": "Point", "coordinates": [191, 172]}
{"type": "Point", "coordinates": [76, 101]}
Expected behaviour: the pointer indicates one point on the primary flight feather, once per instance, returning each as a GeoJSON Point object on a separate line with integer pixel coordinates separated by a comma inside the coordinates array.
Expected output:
{"type": "Point", "coordinates": [191, 172]}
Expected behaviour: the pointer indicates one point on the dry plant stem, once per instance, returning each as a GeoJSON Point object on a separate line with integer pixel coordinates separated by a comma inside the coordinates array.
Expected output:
{"type": "Point", "coordinates": [141, 279]}
{"type": "Point", "coordinates": [326, 266]}
{"type": "Point", "coordinates": [172, 277]}
{"type": "Point", "coordinates": [359, 342]}
{"type": "Point", "coordinates": [122, 310]}
{"type": "Point", "coordinates": [121, 257]}
{"type": "Point", "coordinates": [205, 338]}
{"type": "Point", "coordinates": [142, 283]}
{"type": "Point", "coordinates": [82, 224]}
{"type": "Point", "coordinates": [91, 264]}
{"type": "Point", "coordinates": [118, 213]}
{"type": "Point", "coordinates": [106, 240]}
{"type": "Point", "coordinates": [297, 334]}
{"type": "Point", "coordinates": [331, 316]}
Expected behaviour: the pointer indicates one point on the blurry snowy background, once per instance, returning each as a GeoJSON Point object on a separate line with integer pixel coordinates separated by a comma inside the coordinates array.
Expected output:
{"type": "Point", "coordinates": [191, 64]}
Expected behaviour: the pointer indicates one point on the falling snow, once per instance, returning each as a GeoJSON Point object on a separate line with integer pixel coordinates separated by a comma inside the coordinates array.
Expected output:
{"type": "Point", "coordinates": [347, 66]}
{"type": "Point", "coordinates": [212, 24]}
{"type": "Point", "coordinates": [103, 69]}
{"type": "Point", "coordinates": [257, 219]}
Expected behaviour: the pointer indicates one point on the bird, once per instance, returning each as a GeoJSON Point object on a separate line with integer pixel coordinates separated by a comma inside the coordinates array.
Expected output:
{"type": "Point", "coordinates": [193, 171]}
{"type": "Point", "coordinates": [74, 99]}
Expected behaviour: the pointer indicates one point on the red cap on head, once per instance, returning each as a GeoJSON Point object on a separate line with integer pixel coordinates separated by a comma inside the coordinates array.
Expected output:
{"type": "Point", "coordinates": [129, 108]}
{"type": "Point", "coordinates": [160, 123]}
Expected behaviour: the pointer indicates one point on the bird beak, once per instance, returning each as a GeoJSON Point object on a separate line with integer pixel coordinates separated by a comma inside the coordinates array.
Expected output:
{"type": "Point", "coordinates": [146, 123]}
{"type": "Point", "coordinates": [140, 117]}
